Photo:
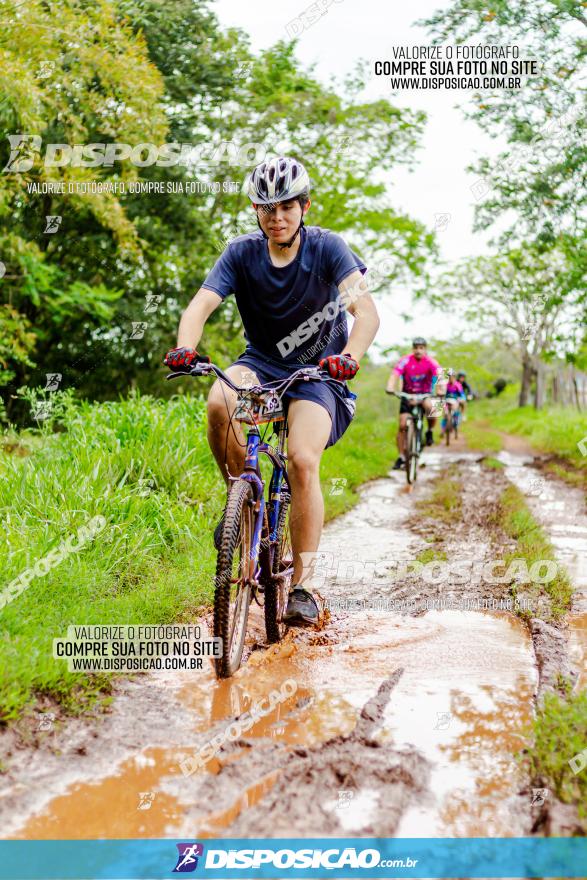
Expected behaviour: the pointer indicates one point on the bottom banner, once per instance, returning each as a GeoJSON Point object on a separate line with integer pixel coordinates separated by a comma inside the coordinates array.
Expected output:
{"type": "Point", "coordinates": [293, 857]}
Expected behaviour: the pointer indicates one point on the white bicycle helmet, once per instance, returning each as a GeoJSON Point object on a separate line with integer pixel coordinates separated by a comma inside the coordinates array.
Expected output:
{"type": "Point", "coordinates": [277, 180]}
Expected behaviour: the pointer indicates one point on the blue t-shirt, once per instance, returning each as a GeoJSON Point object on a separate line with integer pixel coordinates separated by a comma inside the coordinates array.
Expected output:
{"type": "Point", "coordinates": [291, 314]}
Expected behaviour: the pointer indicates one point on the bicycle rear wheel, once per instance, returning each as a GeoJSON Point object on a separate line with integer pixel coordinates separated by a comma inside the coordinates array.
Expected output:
{"type": "Point", "coordinates": [412, 452]}
{"type": "Point", "coordinates": [232, 586]}
{"type": "Point", "coordinates": [277, 587]}
{"type": "Point", "coordinates": [447, 429]}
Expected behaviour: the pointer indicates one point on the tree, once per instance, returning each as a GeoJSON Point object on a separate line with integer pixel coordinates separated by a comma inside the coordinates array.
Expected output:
{"type": "Point", "coordinates": [156, 71]}
{"type": "Point", "coordinates": [526, 295]}
{"type": "Point", "coordinates": [484, 359]}
{"type": "Point", "coordinates": [536, 187]}
{"type": "Point", "coordinates": [69, 73]}
{"type": "Point", "coordinates": [541, 176]}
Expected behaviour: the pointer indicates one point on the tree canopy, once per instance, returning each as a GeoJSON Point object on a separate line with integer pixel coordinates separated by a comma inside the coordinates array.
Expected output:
{"type": "Point", "coordinates": [99, 298]}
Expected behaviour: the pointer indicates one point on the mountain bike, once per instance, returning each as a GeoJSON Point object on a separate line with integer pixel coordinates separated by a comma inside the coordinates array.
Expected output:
{"type": "Point", "coordinates": [255, 560]}
{"type": "Point", "coordinates": [414, 432]}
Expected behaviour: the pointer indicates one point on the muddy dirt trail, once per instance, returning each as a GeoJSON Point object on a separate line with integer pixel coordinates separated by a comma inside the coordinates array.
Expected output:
{"type": "Point", "coordinates": [402, 723]}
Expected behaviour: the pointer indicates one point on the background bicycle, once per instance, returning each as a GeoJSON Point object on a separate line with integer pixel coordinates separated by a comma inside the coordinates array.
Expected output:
{"type": "Point", "coordinates": [451, 419]}
{"type": "Point", "coordinates": [415, 426]}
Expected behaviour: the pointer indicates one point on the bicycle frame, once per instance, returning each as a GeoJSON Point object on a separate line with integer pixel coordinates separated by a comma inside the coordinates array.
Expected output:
{"type": "Point", "coordinates": [417, 412]}
{"type": "Point", "coordinates": [256, 447]}
{"type": "Point", "coordinates": [451, 414]}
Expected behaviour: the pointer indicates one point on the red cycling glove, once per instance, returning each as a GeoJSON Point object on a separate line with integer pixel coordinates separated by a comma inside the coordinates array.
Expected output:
{"type": "Point", "coordinates": [340, 366]}
{"type": "Point", "coordinates": [183, 357]}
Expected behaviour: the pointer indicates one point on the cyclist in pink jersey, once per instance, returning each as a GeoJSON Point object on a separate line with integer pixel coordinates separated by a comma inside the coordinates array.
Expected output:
{"type": "Point", "coordinates": [417, 373]}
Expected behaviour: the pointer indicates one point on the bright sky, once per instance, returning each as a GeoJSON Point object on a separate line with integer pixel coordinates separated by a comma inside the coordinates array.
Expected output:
{"type": "Point", "coordinates": [439, 185]}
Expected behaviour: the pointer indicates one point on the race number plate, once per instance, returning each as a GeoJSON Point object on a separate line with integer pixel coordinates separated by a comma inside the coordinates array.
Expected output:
{"type": "Point", "coordinates": [271, 410]}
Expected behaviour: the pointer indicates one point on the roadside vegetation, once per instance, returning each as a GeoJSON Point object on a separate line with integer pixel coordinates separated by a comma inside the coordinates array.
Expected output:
{"type": "Point", "coordinates": [367, 450]}
{"type": "Point", "coordinates": [160, 72]}
{"type": "Point", "coordinates": [558, 738]}
{"type": "Point", "coordinates": [561, 433]}
{"type": "Point", "coordinates": [533, 546]}
{"type": "Point", "coordinates": [492, 463]}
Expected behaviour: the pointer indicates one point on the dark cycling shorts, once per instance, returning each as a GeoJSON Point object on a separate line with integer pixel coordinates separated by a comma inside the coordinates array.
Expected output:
{"type": "Point", "coordinates": [336, 399]}
{"type": "Point", "coordinates": [404, 405]}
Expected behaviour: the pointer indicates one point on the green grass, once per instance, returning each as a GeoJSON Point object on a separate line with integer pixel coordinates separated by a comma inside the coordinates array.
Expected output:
{"type": "Point", "coordinates": [553, 430]}
{"type": "Point", "coordinates": [479, 430]}
{"type": "Point", "coordinates": [145, 466]}
{"type": "Point", "coordinates": [142, 464]}
{"type": "Point", "coordinates": [479, 435]}
{"type": "Point", "coordinates": [445, 502]}
{"type": "Point", "coordinates": [532, 545]}
{"type": "Point", "coordinates": [559, 735]}
{"type": "Point", "coordinates": [367, 449]}
{"type": "Point", "coordinates": [431, 555]}
{"type": "Point", "coordinates": [493, 463]}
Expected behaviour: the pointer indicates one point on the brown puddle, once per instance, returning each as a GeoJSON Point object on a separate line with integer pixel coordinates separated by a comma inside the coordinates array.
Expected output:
{"type": "Point", "coordinates": [463, 701]}
{"type": "Point", "coordinates": [109, 807]}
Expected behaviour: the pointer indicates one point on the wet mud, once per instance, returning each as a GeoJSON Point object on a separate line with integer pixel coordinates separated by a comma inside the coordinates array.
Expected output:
{"type": "Point", "coordinates": [402, 723]}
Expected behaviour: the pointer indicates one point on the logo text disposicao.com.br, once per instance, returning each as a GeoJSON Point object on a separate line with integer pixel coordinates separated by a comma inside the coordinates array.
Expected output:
{"type": "Point", "coordinates": [326, 859]}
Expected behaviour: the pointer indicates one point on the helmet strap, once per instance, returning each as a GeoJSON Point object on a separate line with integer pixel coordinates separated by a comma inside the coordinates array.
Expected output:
{"type": "Point", "coordinates": [289, 243]}
{"type": "Point", "coordinates": [261, 228]}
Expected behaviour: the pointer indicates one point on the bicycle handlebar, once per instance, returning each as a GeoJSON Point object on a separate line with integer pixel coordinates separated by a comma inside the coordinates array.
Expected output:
{"type": "Point", "coordinates": [279, 386]}
{"type": "Point", "coordinates": [409, 396]}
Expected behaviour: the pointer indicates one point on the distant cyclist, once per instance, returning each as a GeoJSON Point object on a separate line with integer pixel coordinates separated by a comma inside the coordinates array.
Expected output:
{"type": "Point", "coordinates": [417, 373]}
{"type": "Point", "coordinates": [454, 395]}
{"type": "Point", "coordinates": [467, 391]}
{"type": "Point", "coordinates": [293, 287]}
{"type": "Point", "coordinates": [462, 378]}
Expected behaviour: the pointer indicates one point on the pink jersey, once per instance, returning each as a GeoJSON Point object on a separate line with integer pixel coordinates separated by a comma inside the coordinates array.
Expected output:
{"type": "Point", "coordinates": [418, 375]}
{"type": "Point", "coordinates": [454, 389]}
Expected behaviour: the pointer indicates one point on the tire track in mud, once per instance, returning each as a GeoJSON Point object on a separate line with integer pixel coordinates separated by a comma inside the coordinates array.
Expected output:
{"type": "Point", "coordinates": [384, 782]}
{"type": "Point", "coordinates": [427, 751]}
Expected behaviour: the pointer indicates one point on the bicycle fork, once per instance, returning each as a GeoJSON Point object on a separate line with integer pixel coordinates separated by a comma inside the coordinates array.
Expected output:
{"type": "Point", "coordinates": [275, 486]}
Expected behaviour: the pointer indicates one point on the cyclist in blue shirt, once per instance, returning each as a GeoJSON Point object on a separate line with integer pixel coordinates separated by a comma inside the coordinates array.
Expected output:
{"type": "Point", "coordinates": [293, 287]}
{"type": "Point", "coordinates": [454, 395]}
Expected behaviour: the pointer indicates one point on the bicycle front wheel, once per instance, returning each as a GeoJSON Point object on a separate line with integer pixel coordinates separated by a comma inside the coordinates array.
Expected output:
{"type": "Point", "coordinates": [234, 570]}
